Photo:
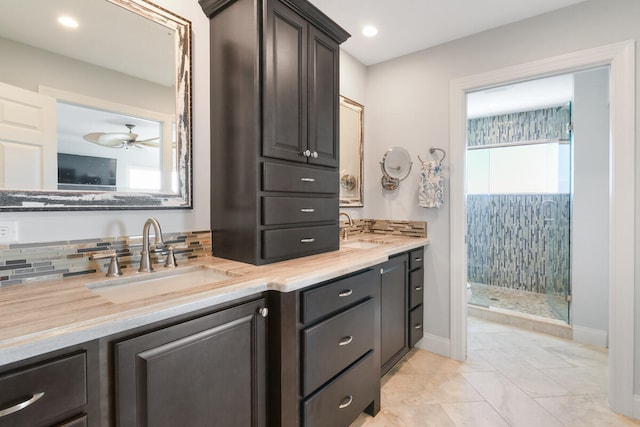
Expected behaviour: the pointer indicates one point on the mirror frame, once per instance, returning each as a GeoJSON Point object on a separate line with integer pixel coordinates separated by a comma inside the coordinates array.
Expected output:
{"type": "Point", "coordinates": [357, 201]}
{"type": "Point", "coordinates": [63, 200]}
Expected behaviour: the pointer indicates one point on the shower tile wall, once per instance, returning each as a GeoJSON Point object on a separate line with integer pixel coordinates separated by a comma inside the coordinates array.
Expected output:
{"type": "Point", "coordinates": [508, 244]}
{"type": "Point", "coordinates": [536, 125]}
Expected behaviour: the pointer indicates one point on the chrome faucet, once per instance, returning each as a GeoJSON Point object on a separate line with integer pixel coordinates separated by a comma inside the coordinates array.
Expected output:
{"type": "Point", "coordinates": [145, 256]}
{"type": "Point", "coordinates": [345, 230]}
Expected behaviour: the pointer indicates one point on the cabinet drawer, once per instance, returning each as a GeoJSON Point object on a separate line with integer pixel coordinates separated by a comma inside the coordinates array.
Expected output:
{"type": "Point", "coordinates": [342, 400]}
{"type": "Point", "coordinates": [80, 421]}
{"type": "Point", "coordinates": [296, 242]}
{"type": "Point", "coordinates": [291, 210]}
{"type": "Point", "coordinates": [416, 259]}
{"type": "Point", "coordinates": [54, 388]}
{"type": "Point", "coordinates": [416, 287]}
{"type": "Point", "coordinates": [299, 179]}
{"type": "Point", "coordinates": [332, 345]}
{"type": "Point", "coordinates": [416, 325]}
{"type": "Point", "coordinates": [335, 295]}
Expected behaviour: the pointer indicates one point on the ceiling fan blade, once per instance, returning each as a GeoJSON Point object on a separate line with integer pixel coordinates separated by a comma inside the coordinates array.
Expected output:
{"type": "Point", "coordinates": [106, 139]}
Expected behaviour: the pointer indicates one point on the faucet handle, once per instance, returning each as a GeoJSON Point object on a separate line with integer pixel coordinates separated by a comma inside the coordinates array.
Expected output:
{"type": "Point", "coordinates": [114, 266]}
{"type": "Point", "coordinates": [171, 257]}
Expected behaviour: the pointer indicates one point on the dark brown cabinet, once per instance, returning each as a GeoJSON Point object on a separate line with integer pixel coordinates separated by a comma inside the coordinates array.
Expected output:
{"type": "Point", "coordinates": [301, 89]}
{"type": "Point", "coordinates": [274, 128]}
{"type": "Point", "coordinates": [53, 390]}
{"type": "Point", "coordinates": [416, 296]}
{"type": "Point", "coordinates": [393, 311]}
{"type": "Point", "coordinates": [339, 350]}
{"type": "Point", "coordinates": [401, 306]}
{"type": "Point", "coordinates": [206, 371]}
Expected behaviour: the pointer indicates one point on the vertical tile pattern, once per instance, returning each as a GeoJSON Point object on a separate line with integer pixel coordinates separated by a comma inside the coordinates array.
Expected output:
{"type": "Point", "coordinates": [21, 263]}
{"type": "Point", "coordinates": [510, 244]}
{"type": "Point", "coordinates": [547, 123]}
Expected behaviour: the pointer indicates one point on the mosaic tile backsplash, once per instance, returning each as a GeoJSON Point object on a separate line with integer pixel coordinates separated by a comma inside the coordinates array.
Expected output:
{"type": "Point", "coordinates": [32, 262]}
{"type": "Point", "coordinates": [22, 263]}
{"type": "Point", "coordinates": [510, 244]}
{"type": "Point", "coordinates": [548, 123]}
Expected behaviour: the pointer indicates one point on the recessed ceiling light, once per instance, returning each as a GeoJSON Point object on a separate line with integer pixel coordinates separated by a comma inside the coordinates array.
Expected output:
{"type": "Point", "coordinates": [369, 31]}
{"type": "Point", "coordinates": [68, 21]}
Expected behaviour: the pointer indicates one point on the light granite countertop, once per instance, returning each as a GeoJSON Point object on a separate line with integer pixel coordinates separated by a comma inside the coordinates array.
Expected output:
{"type": "Point", "coordinates": [44, 316]}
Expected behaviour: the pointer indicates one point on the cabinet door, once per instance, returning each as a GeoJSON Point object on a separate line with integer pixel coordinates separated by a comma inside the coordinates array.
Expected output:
{"type": "Point", "coordinates": [393, 311]}
{"type": "Point", "coordinates": [206, 371]}
{"type": "Point", "coordinates": [285, 101]}
{"type": "Point", "coordinates": [324, 76]}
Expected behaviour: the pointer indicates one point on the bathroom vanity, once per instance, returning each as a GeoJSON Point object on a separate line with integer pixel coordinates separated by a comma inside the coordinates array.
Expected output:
{"type": "Point", "coordinates": [293, 343]}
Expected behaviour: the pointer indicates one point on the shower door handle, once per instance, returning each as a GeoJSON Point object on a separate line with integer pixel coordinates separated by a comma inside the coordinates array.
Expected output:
{"type": "Point", "coordinates": [549, 210]}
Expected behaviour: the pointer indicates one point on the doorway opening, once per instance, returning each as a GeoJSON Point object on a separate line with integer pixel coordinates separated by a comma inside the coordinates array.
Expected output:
{"type": "Point", "coordinates": [518, 197]}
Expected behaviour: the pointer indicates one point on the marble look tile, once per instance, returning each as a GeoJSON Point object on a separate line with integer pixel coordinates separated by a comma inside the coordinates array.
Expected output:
{"type": "Point", "coordinates": [405, 416]}
{"type": "Point", "coordinates": [473, 414]}
{"type": "Point", "coordinates": [518, 409]}
{"type": "Point", "coordinates": [529, 379]}
{"type": "Point", "coordinates": [580, 411]}
{"type": "Point", "coordinates": [579, 355]}
{"type": "Point", "coordinates": [581, 380]}
{"type": "Point", "coordinates": [420, 389]}
{"type": "Point", "coordinates": [425, 362]}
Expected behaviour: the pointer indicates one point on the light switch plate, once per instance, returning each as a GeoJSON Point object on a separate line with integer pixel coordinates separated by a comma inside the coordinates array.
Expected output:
{"type": "Point", "coordinates": [8, 231]}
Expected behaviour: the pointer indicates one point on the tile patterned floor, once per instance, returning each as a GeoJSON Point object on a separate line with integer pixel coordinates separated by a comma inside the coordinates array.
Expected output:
{"type": "Point", "coordinates": [512, 377]}
{"type": "Point", "coordinates": [511, 299]}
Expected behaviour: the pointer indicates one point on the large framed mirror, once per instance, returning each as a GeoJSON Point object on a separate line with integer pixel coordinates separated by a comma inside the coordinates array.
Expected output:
{"type": "Point", "coordinates": [96, 114]}
{"type": "Point", "coordinates": [351, 153]}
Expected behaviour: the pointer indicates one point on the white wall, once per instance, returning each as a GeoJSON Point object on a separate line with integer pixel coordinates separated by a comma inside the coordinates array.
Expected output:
{"type": "Point", "coordinates": [590, 210]}
{"type": "Point", "coordinates": [407, 104]}
{"type": "Point", "coordinates": [53, 226]}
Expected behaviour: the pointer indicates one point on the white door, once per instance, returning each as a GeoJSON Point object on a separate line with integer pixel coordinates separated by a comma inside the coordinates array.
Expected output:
{"type": "Point", "coordinates": [28, 154]}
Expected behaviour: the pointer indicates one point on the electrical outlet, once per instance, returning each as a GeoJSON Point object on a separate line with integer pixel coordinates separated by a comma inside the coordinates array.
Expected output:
{"type": "Point", "coordinates": [8, 231]}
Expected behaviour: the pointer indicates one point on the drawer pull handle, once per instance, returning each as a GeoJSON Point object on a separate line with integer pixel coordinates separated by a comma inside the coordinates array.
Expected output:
{"type": "Point", "coordinates": [308, 179]}
{"type": "Point", "coordinates": [346, 402]}
{"type": "Point", "coordinates": [346, 340]}
{"type": "Point", "coordinates": [417, 326]}
{"type": "Point", "coordinates": [307, 210]}
{"type": "Point", "coordinates": [418, 288]}
{"type": "Point", "coordinates": [418, 259]}
{"type": "Point", "coordinates": [345, 293]}
{"type": "Point", "coordinates": [310, 240]}
{"type": "Point", "coordinates": [20, 406]}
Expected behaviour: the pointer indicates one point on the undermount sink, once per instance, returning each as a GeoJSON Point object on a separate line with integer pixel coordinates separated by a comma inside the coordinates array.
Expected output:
{"type": "Point", "coordinates": [146, 285]}
{"type": "Point", "coordinates": [360, 244]}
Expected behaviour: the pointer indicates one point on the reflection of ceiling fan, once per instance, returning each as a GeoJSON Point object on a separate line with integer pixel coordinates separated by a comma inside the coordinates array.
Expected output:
{"type": "Point", "coordinates": [121, 140]}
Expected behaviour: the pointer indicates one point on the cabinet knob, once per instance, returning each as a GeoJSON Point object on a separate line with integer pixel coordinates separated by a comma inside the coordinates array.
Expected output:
{"type": "Point", "coordinates": [346, 340]}
{"type": "Point", "coordinates": [21, 405]}
{"type": "Point", "coordinates": [306, 153]}
{"type": "Point", "coordinates": [345, 402]}
{"type": "Point", "coordinates": [314, 154]}
{"type": "Point", "coordinates": [345, 293]}
{"type": "Point", "coordinates": [264, 311]}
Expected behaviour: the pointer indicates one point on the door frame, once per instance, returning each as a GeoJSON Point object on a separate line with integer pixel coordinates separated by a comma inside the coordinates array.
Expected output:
{"type": "Point", "coordinates": [620, 57]}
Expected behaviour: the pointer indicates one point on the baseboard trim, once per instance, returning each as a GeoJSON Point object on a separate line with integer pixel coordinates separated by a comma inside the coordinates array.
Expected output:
{"type": "Point", "coordinates": [636, 406]}
{"type": "Point", "coordinates": [435, 344]}
{"type": "Point", "coordinates": [585, 335]}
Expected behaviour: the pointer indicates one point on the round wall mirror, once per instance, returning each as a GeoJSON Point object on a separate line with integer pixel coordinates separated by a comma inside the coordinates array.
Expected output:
{"type": "Point", "coordinates": [396, 165]}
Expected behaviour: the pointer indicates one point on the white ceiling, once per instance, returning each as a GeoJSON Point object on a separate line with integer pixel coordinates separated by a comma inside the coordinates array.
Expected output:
{"type": "Point", "coordinates": [407, 26]}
